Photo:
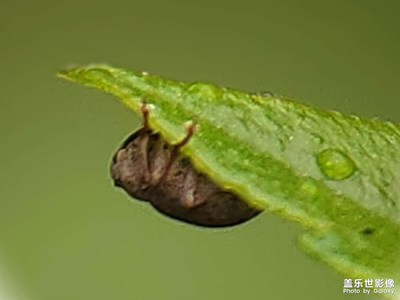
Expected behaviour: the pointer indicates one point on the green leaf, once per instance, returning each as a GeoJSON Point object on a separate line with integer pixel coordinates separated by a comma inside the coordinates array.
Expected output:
{"type": "Point", "coordinates": [337, 175]}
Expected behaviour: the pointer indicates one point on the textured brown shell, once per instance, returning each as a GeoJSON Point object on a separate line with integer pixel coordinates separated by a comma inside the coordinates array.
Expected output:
{"type": "Point", "coordinates": [150, 169]}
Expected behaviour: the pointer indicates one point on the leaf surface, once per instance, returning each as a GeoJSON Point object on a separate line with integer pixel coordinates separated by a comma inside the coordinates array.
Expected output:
{"type": "Point", "coordinates": [337, 175]}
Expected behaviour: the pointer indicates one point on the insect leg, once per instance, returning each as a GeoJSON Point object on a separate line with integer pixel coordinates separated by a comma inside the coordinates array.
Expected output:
{"type": "Point", "coordinates": [189, 197]}
{"type": "Point", "coordinates": [191, 128]}
{"type": "Point", "coordinates": [145, 115]}
{"type": "Point", "coordinates": [177, 147]}
{"type": "Point", "coordinates": [143, 145]}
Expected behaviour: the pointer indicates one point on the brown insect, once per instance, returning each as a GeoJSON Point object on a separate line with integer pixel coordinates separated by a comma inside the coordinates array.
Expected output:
{"type": "Point", "coordinates": [150, 169]}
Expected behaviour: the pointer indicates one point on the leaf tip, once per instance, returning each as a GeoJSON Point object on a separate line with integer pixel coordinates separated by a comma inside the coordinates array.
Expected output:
{"type": "Point", "coordinates": [72, 71]}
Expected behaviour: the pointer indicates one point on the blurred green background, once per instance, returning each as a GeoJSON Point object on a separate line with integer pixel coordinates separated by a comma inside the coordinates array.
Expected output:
{"type": "Point", "coordinates": [67, 233]}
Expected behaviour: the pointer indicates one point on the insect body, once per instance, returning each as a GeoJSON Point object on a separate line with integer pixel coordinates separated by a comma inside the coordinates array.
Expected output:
{"type": "Point", "coordinates": [150, 169]}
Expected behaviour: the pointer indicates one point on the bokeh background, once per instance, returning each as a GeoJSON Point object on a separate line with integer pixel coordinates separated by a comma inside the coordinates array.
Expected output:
{"type": "Point", "coordinates": [67, 233]}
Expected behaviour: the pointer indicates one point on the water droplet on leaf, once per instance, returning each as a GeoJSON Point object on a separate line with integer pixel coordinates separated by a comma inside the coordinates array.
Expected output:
{"type": "Point", "coordinates": [97, 73]}
{"type": "Point", "coordinates": [203, 90]}
{"type": "Point", "coordinates": [267, 94]}
{"type": "Point", "coordinates": [335, 164]}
